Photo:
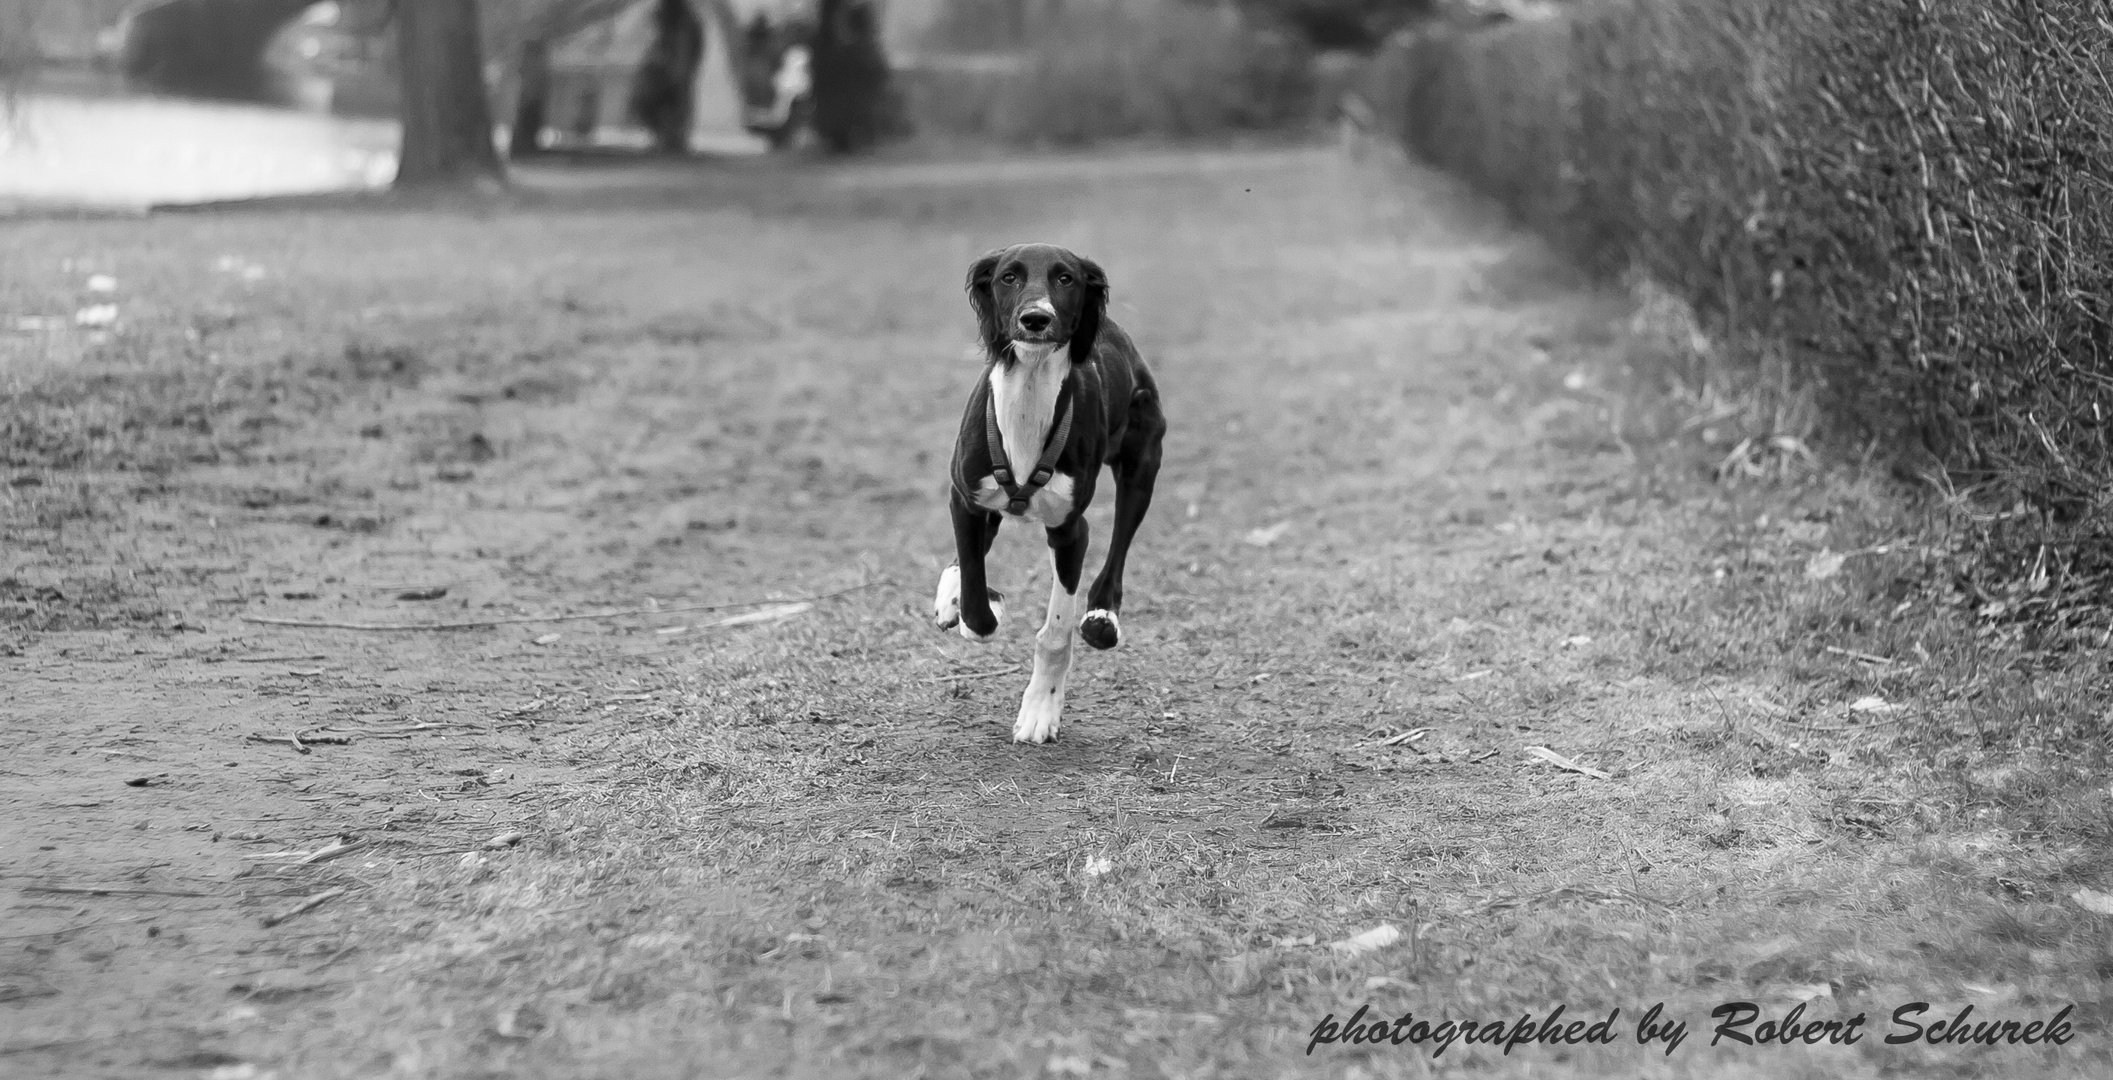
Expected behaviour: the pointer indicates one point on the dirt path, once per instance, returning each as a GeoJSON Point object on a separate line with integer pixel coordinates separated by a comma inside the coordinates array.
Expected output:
{"type": "Point", "coordinates": [1411, 484]}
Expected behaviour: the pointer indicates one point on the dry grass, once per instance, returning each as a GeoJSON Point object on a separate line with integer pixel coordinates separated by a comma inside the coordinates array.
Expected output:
{"type": "Point", "coordinates": [790, 852]}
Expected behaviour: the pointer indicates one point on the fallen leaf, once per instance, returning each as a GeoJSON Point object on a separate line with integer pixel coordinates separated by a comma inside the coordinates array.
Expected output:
{"type": "Point", "coordinates": [2093, 901]}
{"type": "Point", "coordinates": [1806, 992]}
{"type": "Point", "coordinates": [769, 614]}
{"type": "Point", "coordinates": [1874, 704]}
{"type": "Point", "coordinates": [520, 1022]}
{"type": "Point", "coordinates": [548, 639]}
{"type": "Point", "coordinates": [1242, 973]}
{"type": "Point", "coordinates": [1097, 865]}
{"type": "Point", "coordinates": [1379, 937]}
{"type": "Point", "coordinates": [1576, 642]}
{"type": "Point", "coordinates": [1824, 565]}
{"type": "Point", "coordinates": [506, 840]}
{"type": "Point", "coordinates": [1561, 762]}
{"type": "Point", "coordinates": [1263, 537]}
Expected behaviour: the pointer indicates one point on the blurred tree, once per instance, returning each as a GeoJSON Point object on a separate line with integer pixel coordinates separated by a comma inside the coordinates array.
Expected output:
{"type": "Point", "coordinates": [18, 52]}
{"type": "Point", "coordinates": [447, 121]}
{"type": "Point", "coordinates": [1342, 24]}
{"type": "Point", "coordinates": [854, 102]}
{"type": "Point", "coordinates": [524, 30]}
{"type": "Point", "coordinates": [662, 90]}
{"type": "Point", "coordinates": [207, 48]}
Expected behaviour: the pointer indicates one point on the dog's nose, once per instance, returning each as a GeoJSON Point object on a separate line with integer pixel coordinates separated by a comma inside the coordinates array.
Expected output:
{"type": "Point", "coordinates": [1034, 322]}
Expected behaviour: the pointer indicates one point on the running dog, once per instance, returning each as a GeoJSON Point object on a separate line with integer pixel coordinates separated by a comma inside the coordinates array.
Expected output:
{"type": "Point", "coordinates": [1063, 393]}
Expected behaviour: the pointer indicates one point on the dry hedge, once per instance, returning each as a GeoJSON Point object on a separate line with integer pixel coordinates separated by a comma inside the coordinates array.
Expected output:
{"type": "Point", "coordinates": [1916, 196]}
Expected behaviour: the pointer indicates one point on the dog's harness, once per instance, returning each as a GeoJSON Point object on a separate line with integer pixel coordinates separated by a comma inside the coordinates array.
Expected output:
{"type": "Point", "coordinates": [1001, 467]}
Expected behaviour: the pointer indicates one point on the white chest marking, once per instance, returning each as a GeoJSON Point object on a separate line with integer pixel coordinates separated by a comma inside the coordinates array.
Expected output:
{"type": "Point", "coordinates": [1047, 507]}
{"type": "Point", "coordinates": [1024, 395]}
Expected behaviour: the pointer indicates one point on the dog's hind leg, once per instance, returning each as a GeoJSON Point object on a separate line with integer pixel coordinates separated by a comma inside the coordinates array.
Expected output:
{"type": "Point", "coordinates": [965, 598]}
{"type": "Point", "coordinates": [1042, 705]}
{"type": "Point", "coordinates": [1136, 470]}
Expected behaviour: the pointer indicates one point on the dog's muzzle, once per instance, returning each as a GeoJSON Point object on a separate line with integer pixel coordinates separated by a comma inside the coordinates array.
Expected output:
{"type": "Point", "coordinates": [1036, 319]}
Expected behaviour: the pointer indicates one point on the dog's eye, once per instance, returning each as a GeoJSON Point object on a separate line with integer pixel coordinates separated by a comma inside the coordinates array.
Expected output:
{"type": "Point", "coordinates": [1063, 279]}
{"type": "Point", "coordinates": [1009, 278]}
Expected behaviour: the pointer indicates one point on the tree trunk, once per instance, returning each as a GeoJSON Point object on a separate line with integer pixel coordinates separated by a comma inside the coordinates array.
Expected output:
{"type": "Point", "coordinates": [447, 119]}
{"type": "Point", "coordinates": [532, 112]}
{"type": "Point", "coordinates": [854, 104]}
{"type": "Point", "coordinates": [662, 90]}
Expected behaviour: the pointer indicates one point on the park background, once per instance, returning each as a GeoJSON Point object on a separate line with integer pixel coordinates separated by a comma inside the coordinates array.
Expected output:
{"type": "Point", "coordinates": [1635, 530]}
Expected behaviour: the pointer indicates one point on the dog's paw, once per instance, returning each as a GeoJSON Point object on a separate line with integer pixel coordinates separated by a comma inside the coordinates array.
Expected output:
{"type": "Point", "coordinates": [946, 606]}
{"type": "Point", "coordinates": [1101, 629]}
{"type": "Point", "coordinates": [997, 610]}
{"type": "Point", "coordinates": [1041, 714]}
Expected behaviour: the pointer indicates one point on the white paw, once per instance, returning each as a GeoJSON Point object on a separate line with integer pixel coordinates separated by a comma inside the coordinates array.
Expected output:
{"type": "Point", "coordinates": [1041, 713]}
{"type": "Point", "coordinates": [997, 609]}
{"type": "Point", "coordinates": [946, 606]}
{"type": "Point", "coordinates": [1101, 629]}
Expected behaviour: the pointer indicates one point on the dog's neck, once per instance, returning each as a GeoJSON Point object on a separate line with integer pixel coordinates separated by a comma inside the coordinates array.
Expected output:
{"type": "Point", "coordinates": [1023, 392]}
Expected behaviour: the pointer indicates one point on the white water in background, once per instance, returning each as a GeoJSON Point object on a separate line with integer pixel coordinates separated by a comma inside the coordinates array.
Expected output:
{"type": "Point", "coordinates": [131, 153]}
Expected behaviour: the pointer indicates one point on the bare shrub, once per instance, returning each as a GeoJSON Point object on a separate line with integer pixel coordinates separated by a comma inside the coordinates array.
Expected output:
{"type": "Point", "coordinates": [1916, 199]}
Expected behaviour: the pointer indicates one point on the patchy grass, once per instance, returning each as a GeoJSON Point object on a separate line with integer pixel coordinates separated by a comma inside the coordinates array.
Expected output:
{"type": "Point", "coordinates": [808, 849]}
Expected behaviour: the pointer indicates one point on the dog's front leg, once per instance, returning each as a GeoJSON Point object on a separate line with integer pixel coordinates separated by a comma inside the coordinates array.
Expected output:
{"type": "Point", "coordinates": [1042, 706]}
{"type": "Point", "coordinates": [965, 599]}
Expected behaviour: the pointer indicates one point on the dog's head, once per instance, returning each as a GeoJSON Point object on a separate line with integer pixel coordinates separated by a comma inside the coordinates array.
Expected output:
{"type": "Point", "coordinates": [1038, 294]}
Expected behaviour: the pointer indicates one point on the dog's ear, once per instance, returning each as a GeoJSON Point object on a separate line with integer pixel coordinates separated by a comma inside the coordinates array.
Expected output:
{"type": "Point", "coordinates": [1093, 308]}
{"type": "Point", "coordinates": [981, 297]}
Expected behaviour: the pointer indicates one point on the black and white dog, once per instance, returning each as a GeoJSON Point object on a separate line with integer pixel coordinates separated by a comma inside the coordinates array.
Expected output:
{"type": "Point", "coordinates": [1064, 393]}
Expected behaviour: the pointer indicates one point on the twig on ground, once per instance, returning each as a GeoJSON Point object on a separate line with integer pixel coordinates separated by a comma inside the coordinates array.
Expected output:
{"type": "Point", "coordinates": [277, 659]}
{"type": "Point", "coordinates": [114, 890]}
{"type": "Point", "coordinates": [1574, 892]}
{"type": "Point", "coordinates": [1561, 762]}
{"type": "Point", "coordinates": [1405, 737]}
{"type": "Point", "coordinates": [975, 675]}
{"type": "Point", "coordinates": [294, 739]}
{"type": "Point", "coordinates": [1870, 723]}
{"type": "Point", "coordinates": [330, 850]}
{"type": "Point", "coordinates": [1863, 656]}
{"type": "Point", "coordinates": [77, 927]}
{"type": "Point", "coordinates": [518, 620]}
{"type": "Point", "coordinates": [334, 958]}
{"type": "Point", "coordinates": [310, 904]}
{"type": "Point", "coordinates": [334, 734]}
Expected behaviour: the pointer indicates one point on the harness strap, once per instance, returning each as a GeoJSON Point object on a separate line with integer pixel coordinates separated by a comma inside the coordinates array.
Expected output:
{"type": "Point", "coordinates": [1001, 467]}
